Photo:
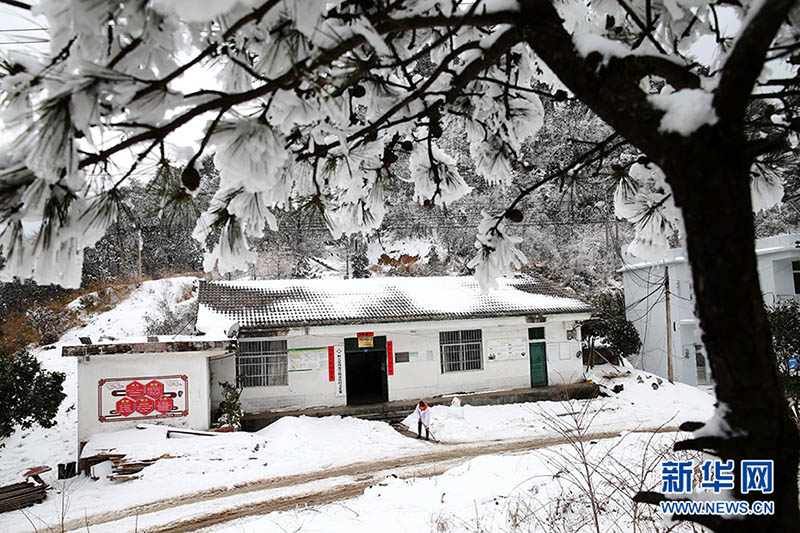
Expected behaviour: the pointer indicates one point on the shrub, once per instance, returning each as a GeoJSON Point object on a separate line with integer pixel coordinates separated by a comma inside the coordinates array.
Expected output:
{"type": "Point", "coordinates": [784, 321]}
{"type": "Point", "coordinates": [169, 318]}
{"type": "Point", "coordinates": [610, 324]}
{"type": "Point", "coordinates": [230, 407]}
{"type": "Point", "coordinates": [30, 394]}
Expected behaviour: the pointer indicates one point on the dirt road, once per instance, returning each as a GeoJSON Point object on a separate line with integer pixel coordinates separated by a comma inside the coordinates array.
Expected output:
{"type": "Point", "coordinates": [206, 508]}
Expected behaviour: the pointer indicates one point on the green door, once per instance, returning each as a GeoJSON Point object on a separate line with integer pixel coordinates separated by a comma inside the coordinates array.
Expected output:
{"type": "Point", "coordinates": [538, 364]}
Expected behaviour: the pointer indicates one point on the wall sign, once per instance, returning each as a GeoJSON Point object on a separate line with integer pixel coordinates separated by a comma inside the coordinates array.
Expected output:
{"type": "Point", "coordinates": [366, 339]}
{"type": "Point", "coordinates": [505, 349]}
{"type": "Point", "coordinates": [305, 359]}
{"type": "Point", "coordinates": [331, 364]}
{"type": "Point", "coordinates": [142, 398]}
{"type": "Point", "coordinates": [338, 360]}
{"type": "Point", "coordinates": [389, 359]}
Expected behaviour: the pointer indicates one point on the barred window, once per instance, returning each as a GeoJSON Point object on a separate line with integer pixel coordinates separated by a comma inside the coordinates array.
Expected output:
{"type": "Point", "coordinates": [461, 350]}
{"type": "Point", "coordinates": [262, 363]}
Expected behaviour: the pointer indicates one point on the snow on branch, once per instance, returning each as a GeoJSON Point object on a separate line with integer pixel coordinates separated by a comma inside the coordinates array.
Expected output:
{"type": "Point", "coordinates": [314, 104]}
{"type": "Point", "coordinates": [746, 61]}
{"type": "Point", "coordinates": [498, 254]}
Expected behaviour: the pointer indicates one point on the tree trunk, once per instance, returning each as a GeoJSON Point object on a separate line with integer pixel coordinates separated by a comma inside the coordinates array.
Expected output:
{"type": "Point", "coordinates": [711, 184]}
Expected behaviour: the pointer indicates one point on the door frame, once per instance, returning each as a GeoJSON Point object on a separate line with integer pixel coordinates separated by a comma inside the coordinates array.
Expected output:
{"type": "Point", "coordinates": [380, 346]}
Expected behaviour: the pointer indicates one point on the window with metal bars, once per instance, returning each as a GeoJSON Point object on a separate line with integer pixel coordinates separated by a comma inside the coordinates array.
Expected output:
{"type": "Point", "coordinates": [461, 350]}
{"type": "Point", "coordinates": [262, 363]}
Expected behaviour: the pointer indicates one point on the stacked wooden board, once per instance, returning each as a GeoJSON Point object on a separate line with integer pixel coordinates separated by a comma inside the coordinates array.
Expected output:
{"type": "Point", "coordinates": [20, 495]}
{"type": "Point", "coordinates": [122, 469]}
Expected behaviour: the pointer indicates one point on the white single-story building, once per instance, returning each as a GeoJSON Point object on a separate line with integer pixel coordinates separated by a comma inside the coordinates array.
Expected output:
{"type": "Point", "coordinates": [293, 344]}
{"type": "Point", "coordinates": [779, 274]}
{"type": "Point", "coordinates": [310, 343]}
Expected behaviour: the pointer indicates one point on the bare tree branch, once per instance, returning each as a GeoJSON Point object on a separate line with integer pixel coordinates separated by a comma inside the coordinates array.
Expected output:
{"type": "Point", "coordinates": [637, 67]}
{"type": "Point", "coordinates": [15, 3]}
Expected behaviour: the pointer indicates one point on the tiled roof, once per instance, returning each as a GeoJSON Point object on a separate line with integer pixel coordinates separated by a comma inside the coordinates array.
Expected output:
{"type": "Point", "coordinates": [284, 303]}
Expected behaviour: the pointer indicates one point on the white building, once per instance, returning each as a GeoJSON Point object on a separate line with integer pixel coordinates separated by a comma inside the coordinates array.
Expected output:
{"type": "Point", "coordinates": [779, 273]}
{"type": "Point", "coordinates": [324, 343]}
{"type": "Point", "coordinates": [125, 383]}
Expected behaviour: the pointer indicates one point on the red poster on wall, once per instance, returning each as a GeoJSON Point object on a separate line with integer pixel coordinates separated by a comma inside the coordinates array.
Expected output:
{"type": "Point", "coordinates": [134, 390]}
{"type": "Point", "coordinates": [331, 364]}
{"type": "Point", "coordinates": [142, 398]}
{"type": "Point", "coordinates": [389, 358]}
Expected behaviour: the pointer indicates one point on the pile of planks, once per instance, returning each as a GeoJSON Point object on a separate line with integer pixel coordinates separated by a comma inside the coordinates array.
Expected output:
{"type": "Point", "coordinates": [94, 460]}
{"type": "Point", "coordinates": [19, 495]}
{"type": "Point", "coordinates": [123, 469]}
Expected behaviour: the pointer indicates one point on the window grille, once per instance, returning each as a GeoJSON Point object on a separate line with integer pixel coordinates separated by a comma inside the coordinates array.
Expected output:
{"type": "Point", "coordinates": [461, 350]}
{"type": "Point", "coordinates": [262, 363]}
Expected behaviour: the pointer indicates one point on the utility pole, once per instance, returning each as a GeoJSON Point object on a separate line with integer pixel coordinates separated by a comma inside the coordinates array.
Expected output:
{"type": "Point", "coordinates": [140, 245]}
{"type": "Point", "coordinates": [669, 324]}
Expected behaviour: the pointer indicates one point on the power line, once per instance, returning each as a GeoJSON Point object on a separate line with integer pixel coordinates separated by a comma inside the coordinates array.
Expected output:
{"type": "Point", "coordinates": [647, 312]}
{"type": "Point", "coordinates": [8, 30]}
{"type": "Point", "coordinates": [645, 297]}
{"type": "Point", "coordinates": [40, 41]}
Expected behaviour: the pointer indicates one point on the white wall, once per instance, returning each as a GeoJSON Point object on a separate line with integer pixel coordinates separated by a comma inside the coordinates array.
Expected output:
{"type": "Point", "coordinates": [649, 316]}
{"type": "Point", "coordinates": [304, 389]}
{"type": "Point", "coordinates": [93, 368]}
{"type": "Point", "coordinates": [421, 377]}
{"type": "Point", "coordinates": [774, 255]}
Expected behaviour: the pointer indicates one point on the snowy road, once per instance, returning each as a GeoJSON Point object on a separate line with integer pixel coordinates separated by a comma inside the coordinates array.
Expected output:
{"type": "Point", "coordinates": [212, 507]}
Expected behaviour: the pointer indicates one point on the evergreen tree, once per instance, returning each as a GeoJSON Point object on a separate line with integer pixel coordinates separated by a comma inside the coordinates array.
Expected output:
{"type": "Point", "coordinates": [359, 263]}
{"type": "Point", "coordinates": [611, 325]}
{"type": "Point", "coordinates": [30, 393]}
{"type": "Point", "coordinates": [784, 321]}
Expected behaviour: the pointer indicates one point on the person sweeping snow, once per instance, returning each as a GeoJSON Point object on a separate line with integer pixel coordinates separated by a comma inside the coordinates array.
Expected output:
{"type": "Point", "coordinates": [423, 413]}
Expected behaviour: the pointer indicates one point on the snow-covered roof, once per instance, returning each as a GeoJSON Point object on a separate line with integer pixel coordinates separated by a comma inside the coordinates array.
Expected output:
{"type": "Point", "coordinates": [283, 303]}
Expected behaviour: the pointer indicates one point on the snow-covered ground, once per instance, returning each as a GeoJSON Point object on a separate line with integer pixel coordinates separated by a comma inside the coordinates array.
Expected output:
{"type": "Point", "coordinates": [296, 445]}
{"type": "Point", "coordinates": [540, 491]}
{"type": "Point", "coordinates": [638, 405]}
{"type": "Point", "coordinates": [486, 491]}
{"type": "Point", "coordinates": [396, 248]}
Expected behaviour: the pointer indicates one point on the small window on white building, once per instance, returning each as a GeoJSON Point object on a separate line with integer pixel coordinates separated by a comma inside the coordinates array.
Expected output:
{"type": "Point", "coordinates": [796, 274]}
{"type": "Point", "coordinates": [262, 363]}
{"type": "Point", "coordinates": [535, 334]}
{"type": "Point", "coordinates": [461, 350]}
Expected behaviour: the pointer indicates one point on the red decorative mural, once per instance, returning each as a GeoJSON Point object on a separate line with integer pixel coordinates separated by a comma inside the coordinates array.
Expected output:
{"type": "Point", "coordinates": [128, 399]}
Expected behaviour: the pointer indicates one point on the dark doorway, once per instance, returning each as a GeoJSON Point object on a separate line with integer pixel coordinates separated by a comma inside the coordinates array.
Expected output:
{"type": "Point", "coordinates": [365, 369]}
